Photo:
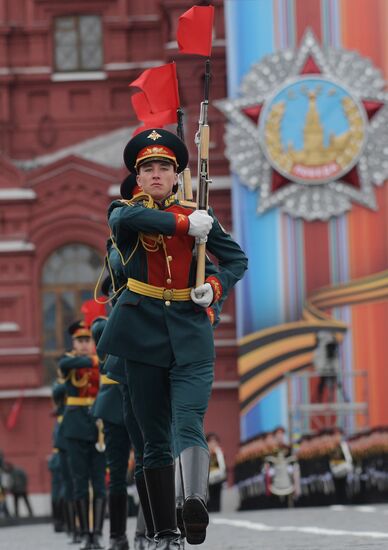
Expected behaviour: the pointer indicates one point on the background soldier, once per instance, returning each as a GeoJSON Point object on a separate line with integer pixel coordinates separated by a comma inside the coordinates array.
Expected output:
{"type": "Point", "coordinates": [115, 370]}
{"type": "Point", "coordinates": [60, 442]}
{"type": "Point", "coordinates": [54, 464]}
{"type": "Point", "coordinates": [80, 370]}
{"type": "Point", "coordinates": [161, 327]}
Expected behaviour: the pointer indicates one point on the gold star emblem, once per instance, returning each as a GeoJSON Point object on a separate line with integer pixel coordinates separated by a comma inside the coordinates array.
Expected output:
{"type": "Point", "coordinates": [154, 135]}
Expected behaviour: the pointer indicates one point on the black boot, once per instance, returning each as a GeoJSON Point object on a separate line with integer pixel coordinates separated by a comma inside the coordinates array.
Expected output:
{"type": "Point", "coordinates": [99, 505]}
{"type": "Point", "coordinates": [82, 507]}
{"type": "Point", "coordinates": [57, 507]}
{"type": "Point", "coordinates": [118, 512]}
{"type": "Point", "coordinates": [161, 492]}
{"type": "Point", "coordinates": [179, 498]}
{"type": "Point", "coordinates": [71, 529]}
{"type": "Point", "coordinates": [145, 506]}
{"type": "Point", "coordinates": [195, 475]}
{"type": "Point", "coordinates": [140, 541]}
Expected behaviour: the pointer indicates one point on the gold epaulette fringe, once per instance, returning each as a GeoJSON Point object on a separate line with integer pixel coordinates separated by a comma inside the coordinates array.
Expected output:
{"type": "Point", "coordinates": [145, 198]}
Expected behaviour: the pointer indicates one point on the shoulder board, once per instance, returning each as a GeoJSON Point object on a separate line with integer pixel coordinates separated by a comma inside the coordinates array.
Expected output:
{"type": "Point", "coordinates": [69, 354]}
{"type": "Point", "coordinates": [189, 204]}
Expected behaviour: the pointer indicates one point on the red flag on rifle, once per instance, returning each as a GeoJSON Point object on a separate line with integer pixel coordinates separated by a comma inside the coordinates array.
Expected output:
{"type": "Point", "coordinates": [91, 310]}
{"type": "Point", "coordinates": [195, 29]}
{"type": "Point", "coordinates": [14, 413]}
{"type": "Point", "coordinates": [160, 87]}
{"type": "Point", "coordinates": [143, 112]}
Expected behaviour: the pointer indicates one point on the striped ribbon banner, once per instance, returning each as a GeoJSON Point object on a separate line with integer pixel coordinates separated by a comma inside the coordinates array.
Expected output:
{"type": "Point", "coordinates": [289, 259]}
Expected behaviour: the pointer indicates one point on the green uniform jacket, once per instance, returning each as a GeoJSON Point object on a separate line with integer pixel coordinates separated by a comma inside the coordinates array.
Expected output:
{"type": "Point", "coordinates": [77, 422]}
{"type": "Point", "coordinates": [59, 394]}
{"type": "Point", "coordinates": [109, 402]}
{"type": "Point", "coordinates": [144, 329]}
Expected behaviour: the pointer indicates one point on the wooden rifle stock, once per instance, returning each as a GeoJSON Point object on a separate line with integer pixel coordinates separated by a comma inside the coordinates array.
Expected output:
{"type": "Point", "coordinates": [187, 185]}
{"type": "Point", "coordinates": [203, 187]}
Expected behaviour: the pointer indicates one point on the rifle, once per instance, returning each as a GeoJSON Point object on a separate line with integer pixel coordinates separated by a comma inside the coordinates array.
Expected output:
{"type": "Point", "coordinates": [202, 141]}
{"type": "Point", "coordinates": [187, 191]}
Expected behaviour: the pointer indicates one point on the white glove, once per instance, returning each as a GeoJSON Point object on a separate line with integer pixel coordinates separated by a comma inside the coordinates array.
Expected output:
{"type": "Point", "coordinates": [202, 295]}
{"type": "Point", "coordinates": [200, 224]}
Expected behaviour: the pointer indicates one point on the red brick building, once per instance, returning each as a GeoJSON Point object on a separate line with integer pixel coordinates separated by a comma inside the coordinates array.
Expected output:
{"type": "Point", "coordinates": [65, 116]}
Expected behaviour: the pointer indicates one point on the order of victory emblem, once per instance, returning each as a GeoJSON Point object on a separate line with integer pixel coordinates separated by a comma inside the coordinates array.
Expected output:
{"type": "Point", "coordinates": [310, 131]}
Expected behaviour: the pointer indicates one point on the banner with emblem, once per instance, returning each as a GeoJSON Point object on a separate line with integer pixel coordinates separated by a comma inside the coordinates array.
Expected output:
{"type": "Point", "coordinates": [307, 141]}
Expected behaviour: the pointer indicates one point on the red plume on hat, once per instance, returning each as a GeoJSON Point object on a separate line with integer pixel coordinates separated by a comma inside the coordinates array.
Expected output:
{"type": "Point", "coordinates": [91, 310]}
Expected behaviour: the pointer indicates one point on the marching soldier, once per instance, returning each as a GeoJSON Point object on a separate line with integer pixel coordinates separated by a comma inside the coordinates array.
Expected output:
{"type": "Point", "coordinates": [160, 326]}
{"type": "Point", "coordinates": [60, 443]}
{"type": "Point", "coordinates": [116, 371]}
{"type": "Point", "coordinates": [109, 408]}
{"type": "Point", "coordinates": [86, 459]}
{"type": "Point", "coordinates": [57, 481]}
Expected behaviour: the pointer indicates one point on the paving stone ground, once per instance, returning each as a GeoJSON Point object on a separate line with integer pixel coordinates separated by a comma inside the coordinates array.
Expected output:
{"type": "Point", "coordinates": [338, 528]}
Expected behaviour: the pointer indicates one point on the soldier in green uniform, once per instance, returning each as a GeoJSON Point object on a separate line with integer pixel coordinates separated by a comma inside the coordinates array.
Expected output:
{"type": "Point", "coordinates": [109, 407]}
{"type": "Point", "coordinates": [116, 371]}
{"type": "Point", "coordinates": [160, 326]}
{"type": "Point", "coordinates": [60, 443]}
{"type": "Point", "coordinates": [87, 462]}
{"type": "Point", "coordinates": [113, 370]}
{"type": "Point", "coordinates": [54, 464]}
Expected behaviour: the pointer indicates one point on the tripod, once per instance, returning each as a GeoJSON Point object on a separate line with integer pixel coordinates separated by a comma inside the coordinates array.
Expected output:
{"type": "Point", "coordinates": [331, 382]}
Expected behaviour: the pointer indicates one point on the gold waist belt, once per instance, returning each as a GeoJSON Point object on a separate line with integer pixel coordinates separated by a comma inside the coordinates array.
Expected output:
{"type": "Point", "coordinates": [80, 401]}
{"type": "Point", "coordinates": [104, 380]}
{"type": "Point", "coordinates": [173, 294]}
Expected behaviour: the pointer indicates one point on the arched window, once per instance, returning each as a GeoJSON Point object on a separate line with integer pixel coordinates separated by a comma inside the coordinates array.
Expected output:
{"type": "Point", "coordinates": [68, 279]}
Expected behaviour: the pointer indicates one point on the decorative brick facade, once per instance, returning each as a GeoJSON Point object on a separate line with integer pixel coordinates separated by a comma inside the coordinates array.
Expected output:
{"type": "Point", "coordinates": [61, 137]}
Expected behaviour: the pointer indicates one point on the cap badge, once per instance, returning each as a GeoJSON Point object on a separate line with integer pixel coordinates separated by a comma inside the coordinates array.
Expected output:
{"type": "Point", "coordinates": [154, 135]}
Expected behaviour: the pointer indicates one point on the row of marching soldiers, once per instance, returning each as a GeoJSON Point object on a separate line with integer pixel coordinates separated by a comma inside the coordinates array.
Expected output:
{"type": "Point", "coordinates": [156, 358]}
{"type": "Point", "coordinates": [89, 415]}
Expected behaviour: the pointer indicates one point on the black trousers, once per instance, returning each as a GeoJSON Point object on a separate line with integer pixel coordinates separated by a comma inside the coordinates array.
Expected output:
{"type": "Point", "coordinates": [23, 496]}
{"type": "Point", "coordinates": [118, 446]}
{"type": "Point", "coordinates": [214, 502]}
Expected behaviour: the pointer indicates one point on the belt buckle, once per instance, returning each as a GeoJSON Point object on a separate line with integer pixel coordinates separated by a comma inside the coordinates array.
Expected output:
{"type": "Point", "coordinates": [168, 294]}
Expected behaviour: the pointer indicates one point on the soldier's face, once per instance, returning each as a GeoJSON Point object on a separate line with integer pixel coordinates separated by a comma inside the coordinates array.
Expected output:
{"type": "Point", "coordinates": [83, 346]}
{"type": "Point", "coordinates": [157, 178]}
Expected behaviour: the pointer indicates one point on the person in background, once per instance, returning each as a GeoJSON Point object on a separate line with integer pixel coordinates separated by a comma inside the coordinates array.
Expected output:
{"type": "Point", "coordinates": [79, 368]}
{"type": "Point", "coordinates": [4, 512]}
{"type": "Point", "coordinates": [60, 443]}
{"type": "Point", "coordinates": [217, 473]}
{"type": "Point", "coordinates": [57, 503]}
{"type": "Point", "coordinates": [18, 487]}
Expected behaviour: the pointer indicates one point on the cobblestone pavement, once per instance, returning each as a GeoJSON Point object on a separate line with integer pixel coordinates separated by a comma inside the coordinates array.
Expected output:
{"type": "Point", "coordinates": [335, 528]}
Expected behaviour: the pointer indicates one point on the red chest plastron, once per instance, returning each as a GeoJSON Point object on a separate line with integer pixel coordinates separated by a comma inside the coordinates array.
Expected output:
{"type": "Point", "coordinates": [169, 265]}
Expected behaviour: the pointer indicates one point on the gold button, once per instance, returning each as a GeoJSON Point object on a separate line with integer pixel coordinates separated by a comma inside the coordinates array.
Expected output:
{"type": "Point", "coordinates": [167, 303]}
{"type": "Point", "coordinates": [169, 258]}
{"type": "Point", "coordinates": [168, 281]}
